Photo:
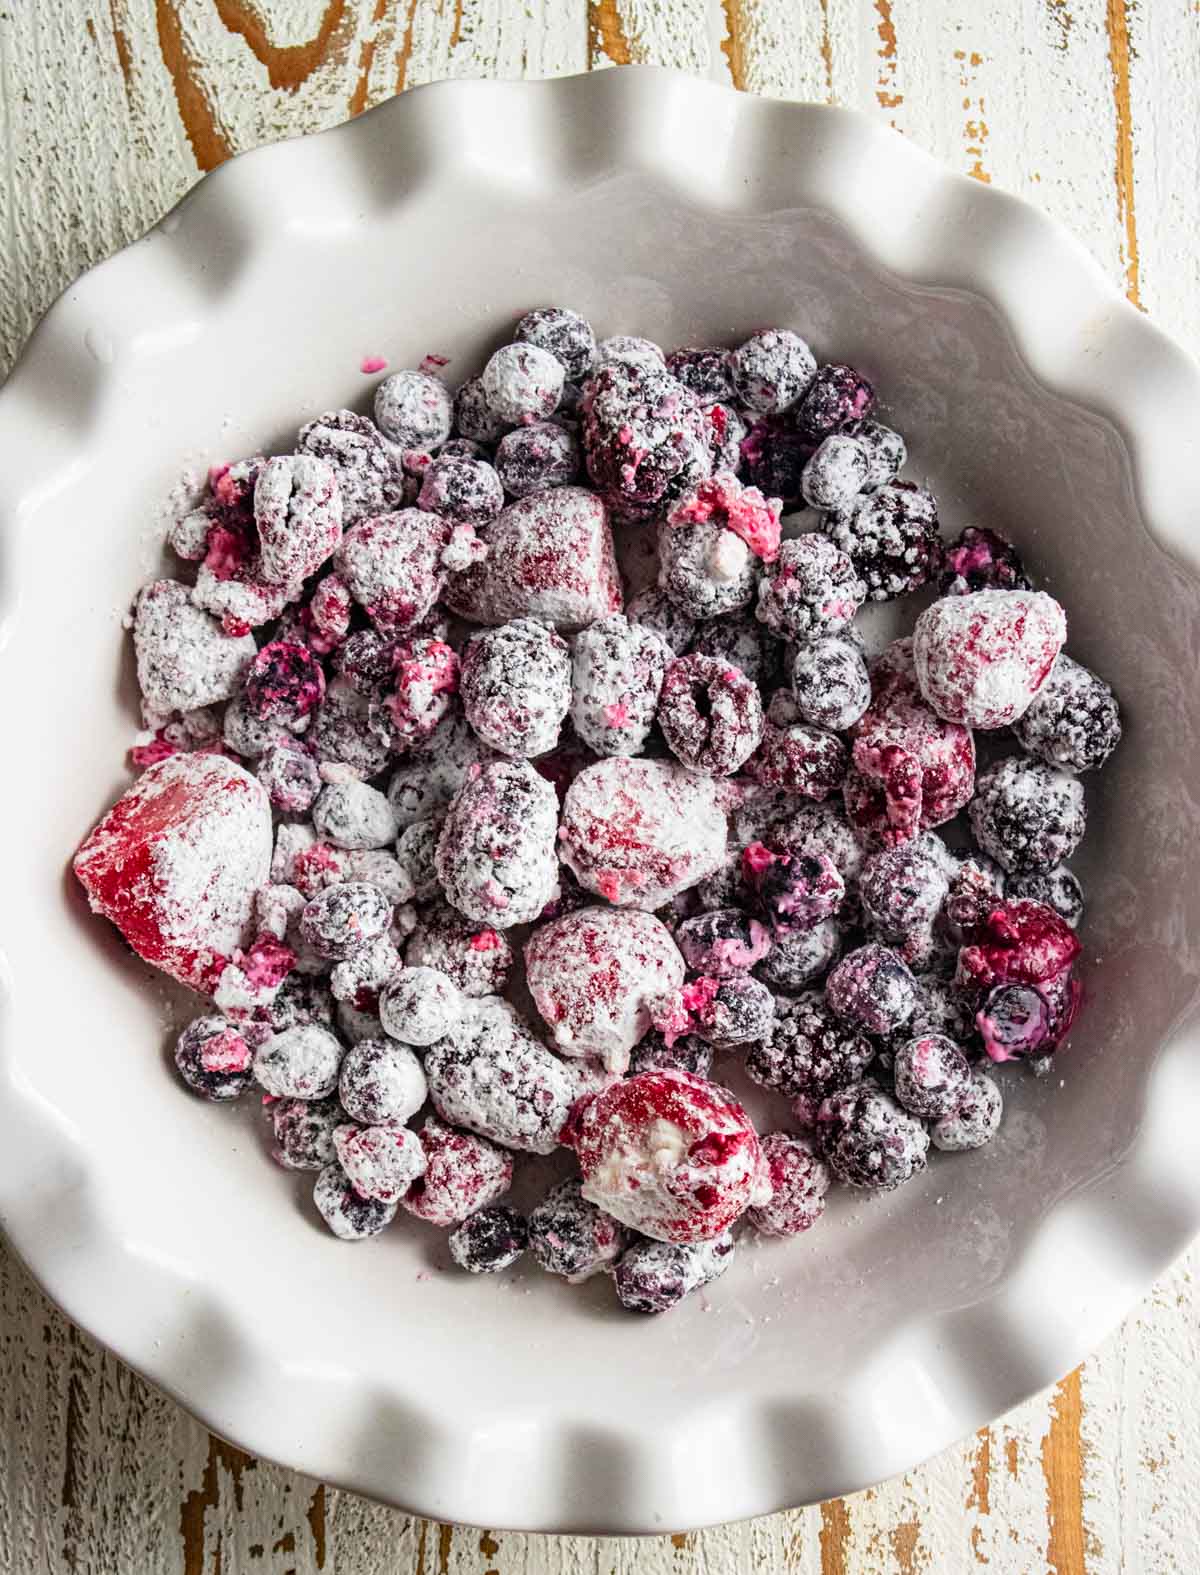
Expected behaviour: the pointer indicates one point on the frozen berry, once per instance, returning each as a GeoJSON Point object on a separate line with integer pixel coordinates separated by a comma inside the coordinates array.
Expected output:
{"type": "Point", "coordinates": [516, 686]}
{"type": "Point", "coordinates": [706, 372]}
{"type": "Point", "coordinates": [213, 1058]}
{"type": "Point", "coordinates": [413, 409]}
{"type": "Point", "coordinates": [644, 436]}
{"type": "Point", "coordinates": [349, 1215]}
{"type": "Point", "coordinates": [683, 1054]}
{"type": "Point", "coordinates": [799, 1182]}
{"type": "Point", "coordinates": [723, 943]}
{"type": "Point", "coordinates": [726, 434]}
{"type": "Point", "coordinates": [629, 350]}
{"type": "Point", "coordinates": [490, 1075]}
{"type": "Point", "coordinates": [463, 1173]}
{"type": "Point", "coordinates": [981, 659]}
{"type": "Point", "coordinates": [736, 1010]}
{"type": "Point", "coordinates": [595, 976]}
{"type": "Point", "coordinates": [380, 1162]}
{"type": "Point", "coordinates": [812, 590]}
{"type": "Point", "coordinates": [903, 890]}
{"type": "Point", "coordinates": [473, 414]}
{"type": "Point", "coordinates": [837, 472]}
{"type": "Point", "coordinates": [537, 457]}
{"type": "Point", "coordinates": [710, 713]}
{"type": "Point", "coordinates": [300, 1063]}
{"type": "Point", "coordinates": [303, 1130]}
{"type": "Point", "coordinates": [393, 566]}
{"type": "Point", "coordinates": [523, 383]}
{"type": "Point", "coordinates": [800, 759]}
{"type": "Point", "coordinates": [476, 957]}
{"type": "Point", "coordinates": [570, 1236]}
{"type": "Point", "coordinates": [980, 560]}
{"type": "Point", "coordinates": [567, 336]}
{"type": "Point", "coordinates": [932, 1076]}
{"type": "Point", "coordinates": [808, 1053]}
{"type": "Point", "coordinates": [381, 1082]}
{"type": "Point", "coordinates": [343, 918]}
{"type": "Point", "coordinates": [1027, 815]}
{"type": "Point", "coordinates": [830, 683]}
{"type": "Point", "coordinates": [298, 512]}
{"type": "Point", "coordinates": [1022, 942]}
{"type": "Point", "coordinates": [836, 397]}
{"type": "Point", "coordinates": [640, 831]}
{"type": "Point", "coordinates": [425, 679]}
{"type": "Point", "coordinates": [975, 1121]}
{"type": "Point", "coordinates": [742, 511]}
{"type": "Point", "coordinates": [353, 815]}
{"type": "Point", "coordinates": [463, 491]}
{"type": "Point", "coordinates": [1017, 1022]}
{"type": "Point", "coordinates": [184, 658]}
{"type": "Point", "coordinates": [175, 863]}
{"type": "Point", "coordinates": [670, 1155]}
{"type": "Point", "coordinates": [654, 609]}
{"type": "Point", "coordinates": [291, 777]}
{"type": "Point", "coordinates": [742, 642]}
{"type": "Point", "coordinates": [370, 478]}
{"type": "Point", "coordinates": [653, 1276]}
{"type": "Point", "coordinates": [420, 1005]}
{"type": "Point", "coordinates": [432, 772]}
{"type": "Point", "coordinates": [550, 556]}
{"type": "Point", "coordinates": [489, 1240]}
{"type": "Point", "coordinates": [416, 853]}
{"type": "Point", "coordinates": [1073, 721]}
{"type": "Point", "coordinates": [873, 988]}
{"type": "Point", "coordinates": [793, 890]}
{"type": "Point", "coordinates": [706, 570]}
{"type": "Point", "coordinates": [1057, 888]}
{"type": "Point", "coordinates": [773, 457]}
{"type": "Point", "coordinates": [798, 956]}
{"type": "Point", "coordinates": [868, 1140]}
{"type": "Point", "coordinates": [616, 675]}
{"type": "Point", "coordinates": [496, 853]}
{"type": "Point", "coordinates": [891, 538]}
{"type": "Point", "coordinates": [886, 452]}
{"type": "Point", "coordinates": [771, 370]}
{"type": "Point", "coordinates": [911, 770]}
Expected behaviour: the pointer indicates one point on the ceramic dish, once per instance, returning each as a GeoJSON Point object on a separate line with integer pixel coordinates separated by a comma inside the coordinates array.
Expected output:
{"type": "Point", "coordinates": [1034, 400]}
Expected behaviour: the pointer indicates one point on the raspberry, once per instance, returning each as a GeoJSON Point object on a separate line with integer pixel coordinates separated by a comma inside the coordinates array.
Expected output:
{"type": "Point", "coordinates": [710, 713]}
{"type": "Point", "coordinates": [980, 560]}
{"type": "Point", "coordinates": [463, 1173]}
{"type": "Point", "coordinates": [799, 1182]}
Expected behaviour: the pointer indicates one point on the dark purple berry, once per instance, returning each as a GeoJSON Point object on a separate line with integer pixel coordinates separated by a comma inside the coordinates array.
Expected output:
{"type": "Point", "coordinates": [1016, 1021]}
{"type": "Point", "coordinates": [214, 1058]}
{"type": "Point", "coordinates": [931, 1076]}
{"type": "Point", "coordinates": [891, 538]}
{"type": "Point", "coordinates": [1027, 815]}
{"type": "Point", "coordinates": [463, 491]}
{"type": "Point", "coordinates": [980, 560]}
{"type": "Point", "coordinates": [284, 683]}
{"type": "Point", "coordinates": [536, 457]}
{"type": "Point", "coordinates": [567, 336]}
{"type": "Point", "coordinates": [774, 456]}
{"type": "Point", "coordinates": [1057, 888]}
{"type": "Point", "coordinates": [771, 370]}
{"type": "Point", "coordinates": [808, 1053]}
{"type": "Point", "coordinates": [652, 1276]}
{"type": "Point", "coordinates": [868, 1140]}
{"type": "Point", "coordinates": [975, 1121]}
{"type": "Point", "coordinates": [685, 1054]}
{"type": "Point", "coordinates": [572, 1237]}
{"type": "Point", "coordinates": [490, 1240]}
{"type": "Point", "coordinates": [706, 372]}
{"type": "Point", "coordinates": [1073, 721]}
{"type": "Point", "coordinates": [872, 988]}
{"type": "Point", "coordinates": [836, 397]}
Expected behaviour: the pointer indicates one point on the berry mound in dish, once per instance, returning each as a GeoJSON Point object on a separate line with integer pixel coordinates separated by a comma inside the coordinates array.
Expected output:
{"type": "Point", "coordinates": [516, 775]}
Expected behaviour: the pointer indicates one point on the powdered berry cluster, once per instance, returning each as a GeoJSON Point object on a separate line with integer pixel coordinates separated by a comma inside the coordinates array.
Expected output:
{"type": "Point", "coordinates": [413, 745]}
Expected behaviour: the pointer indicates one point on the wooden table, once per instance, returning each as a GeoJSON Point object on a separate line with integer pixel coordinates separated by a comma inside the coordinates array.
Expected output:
{"type": "Point", "coordinates": [109, 110]}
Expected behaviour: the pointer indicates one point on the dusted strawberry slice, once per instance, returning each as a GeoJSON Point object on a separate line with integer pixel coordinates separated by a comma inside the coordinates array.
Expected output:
{"type": "Point", "coordinates": [176, 862]}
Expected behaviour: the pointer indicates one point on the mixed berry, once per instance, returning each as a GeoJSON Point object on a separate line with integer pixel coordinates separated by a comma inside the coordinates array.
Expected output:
{"type": "Point", "coordinates": [475, 853]}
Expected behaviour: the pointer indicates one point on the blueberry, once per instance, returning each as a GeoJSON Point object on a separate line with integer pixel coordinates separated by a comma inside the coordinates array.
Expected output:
{"type": "Point", "coordinates": [490, 1240]}
{"type": "Point", "coordinates": [213, 1058]}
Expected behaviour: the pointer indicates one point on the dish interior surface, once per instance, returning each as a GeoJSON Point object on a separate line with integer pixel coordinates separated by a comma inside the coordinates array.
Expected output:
{"type": "Point", "coordinates": [814, 1365]}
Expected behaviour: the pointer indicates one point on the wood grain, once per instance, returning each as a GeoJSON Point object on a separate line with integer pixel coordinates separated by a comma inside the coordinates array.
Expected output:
{"type": "Point", "coordinates": [109, 111]}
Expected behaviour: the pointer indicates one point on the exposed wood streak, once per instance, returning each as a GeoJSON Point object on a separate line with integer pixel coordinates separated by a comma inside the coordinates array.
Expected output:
{"type": "Point", "coordinates": [199, 1501]}
{"type": "Point", "coordinates": [1062, 1467]}
{"type": "Point", "coordinates": [404, 55]}
{"type": "Point", "coordinates": [1117, 25]}
{"type": "Point", "coordinates": [885, 91]}
{"type": "Point", "coordinates": [834, 1537]}
{"type": "Point", "coordinates": [979, 1498]}
{"type": "Point", "coordinates": [316, 1524]}
{"type": "Point", "coordinates": [606, 35]}
{"type": "Point", "coordinates": [975, 127]}
{"type": "Point", "coordinates": [456, 26]}
{"type": "Point", "coordinates": [1012, 1457]}
{"type": "Point", "coordinates": [288, 66]}
{"type": "Point", "coordinates": [209, 143]}
{"type": "Point", "coordinates": [681, 1540]}
{"type": "Point", "coordinates": [1063, 21]}
{"type": "Point", "coordinates": [905, 1539]}
{"type": "Point", "coordinates": [121, 45]}
{"type": "Point", "coordinates": [732, 45]}
{"type": "Point", "coordinates": [422, 1539]}
{"type": "Point", "coordinates": [366, 58]}
{"type": "Point", "coordinates": [488, 1545]}
{"type": "Point", "coordinates": [827, 52]}
{"type": "Point", "coordinates": [445, 1547]}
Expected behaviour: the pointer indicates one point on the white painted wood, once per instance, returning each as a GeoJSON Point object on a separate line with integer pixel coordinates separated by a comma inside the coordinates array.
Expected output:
{"type": "Point", "coordinates": [109, 109]}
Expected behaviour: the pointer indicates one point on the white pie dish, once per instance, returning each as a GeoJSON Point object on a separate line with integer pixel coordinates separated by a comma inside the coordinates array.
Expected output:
{"type": "Point", "coordinates": [1034, 399]}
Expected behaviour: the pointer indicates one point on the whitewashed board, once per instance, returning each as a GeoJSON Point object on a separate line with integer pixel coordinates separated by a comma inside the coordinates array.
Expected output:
{"type": "Point", "coordinates": [109, 110]}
